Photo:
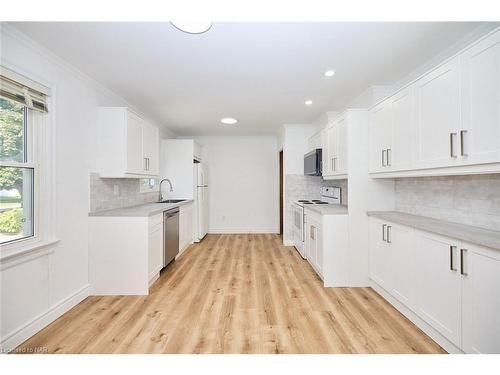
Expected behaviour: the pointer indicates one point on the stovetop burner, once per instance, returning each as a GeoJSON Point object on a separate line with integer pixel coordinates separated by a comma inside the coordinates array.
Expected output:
{"type": "Point", "coordinates": [303, 200]}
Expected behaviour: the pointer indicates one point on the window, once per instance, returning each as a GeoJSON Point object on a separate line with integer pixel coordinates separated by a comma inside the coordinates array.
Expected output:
{"type": "Point", "coordinates": [25, 148]}
{"type": "Point", "coordinates": [148, 185]}
{"type": "Point", "coordinates": [16, 173]}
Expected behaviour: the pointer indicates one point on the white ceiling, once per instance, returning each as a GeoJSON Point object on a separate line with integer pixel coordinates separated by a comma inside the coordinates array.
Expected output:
{"type": "Point", "coordinates": [260, 73]}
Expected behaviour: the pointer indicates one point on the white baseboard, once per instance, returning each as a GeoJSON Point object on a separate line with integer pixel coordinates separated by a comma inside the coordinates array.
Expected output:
{"type": "Point", "coordinates": [288, 243]}
{"type": "Point", "coordinates": [415, 319]}
{"type": "Point", "coordinates": [243, 231]}
{"type": "Point", "coordinates": [14, 339]}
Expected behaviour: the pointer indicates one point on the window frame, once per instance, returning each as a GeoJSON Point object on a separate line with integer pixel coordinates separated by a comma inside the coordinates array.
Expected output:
{"type": "Point", "coordinates": [41, 143]}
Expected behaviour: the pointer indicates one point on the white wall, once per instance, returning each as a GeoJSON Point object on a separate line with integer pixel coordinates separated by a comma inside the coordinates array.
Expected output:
{"type": "Point", "coordinates": [243, 183]}
{"type": "Point", "coordinates": [37, 289]}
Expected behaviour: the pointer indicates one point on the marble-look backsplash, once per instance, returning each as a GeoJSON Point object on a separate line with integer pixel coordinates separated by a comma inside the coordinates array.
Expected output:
{"type": "Point", "coordinates": [472, 200]}
{"type": "Point", "coordinates": [102, 195]}
{"type": "Point", "coordinates": [305, 187]}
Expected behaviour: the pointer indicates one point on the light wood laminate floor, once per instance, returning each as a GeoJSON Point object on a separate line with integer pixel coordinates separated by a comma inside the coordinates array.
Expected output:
{"type": "Point", "coordinates": [236, 294]}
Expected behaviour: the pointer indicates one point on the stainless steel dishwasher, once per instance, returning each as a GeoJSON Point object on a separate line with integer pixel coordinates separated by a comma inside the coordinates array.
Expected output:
{"type": "Point", "coordinates": [170, 235]}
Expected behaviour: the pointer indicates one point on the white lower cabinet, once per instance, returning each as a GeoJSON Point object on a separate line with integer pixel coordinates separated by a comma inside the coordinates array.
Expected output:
{"type": "Point", "coordinates": [391, 259]}
{"type": "Point", "coordinates": [186, 226]}
{"type": "Point", "coordinates": [155, 246]}
{"type": "Point", "coordinates": [454, 287]}
{"type": "Point", "coordinates": [480, 299]}
{"type": "Point", "coordinates": [326, 246]}
{"type": "Point", "coordinates": [438, 288]}
{"type": "Point", "coordinates": [125, 254]}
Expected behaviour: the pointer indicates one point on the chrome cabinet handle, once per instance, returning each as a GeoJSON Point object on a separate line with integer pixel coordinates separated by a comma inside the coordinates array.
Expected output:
{"type": "Point", "coordinates": [452, 249]}
{"type": "Point", "coordinates": [389, 227]}
{"type": "Point", "coordinates": [383, 232]}
{"type": "Point", "coordinates": [383, 158]}
{"type": "Point", "coordinates": [389, 152]}
{"type": "Point", "coordinates": [313, 229]}
{"type": "Point", "coordinates": [335, 163]}
{"type": "Point", "coordinates": [462, 133]}
{"type": "Point", "coordinates": [451, 145]}
{"type": "Point", "coordinates": [145, 164]}
{"type": "Point", "coordinates": [462, 272]}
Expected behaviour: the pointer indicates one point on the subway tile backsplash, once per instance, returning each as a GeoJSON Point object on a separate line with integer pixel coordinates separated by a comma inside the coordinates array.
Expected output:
{"type": "Point", "coordinates": [102, 193]}
{"type": "Point", "coordinates": [472, 200]}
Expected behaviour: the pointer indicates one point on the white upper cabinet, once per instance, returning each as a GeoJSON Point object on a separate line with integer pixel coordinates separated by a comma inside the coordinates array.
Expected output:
{"type": "Point", "coordinates": [151, 148]}
{"type": "Point", "coordinates": [335, 150]}
{"type": "Point", "coordinates": [481, 299]}
{"type": "Point", "coordinates": [438, 116]}
{"type": "Point", "coordinates": [446, 122]}
{"type": "Point", "coordinates": [134, 157]}
{"type": "Point", "coordinates": [401, 153]}
{"type": "Point", "coordinates": [380, 136]}
{"type": "Point", "coordinates": [127, 145]}
{"type": "Point", "coordinates": [480, 136]}
{"type": "Point", "coordinates": [315, 141]}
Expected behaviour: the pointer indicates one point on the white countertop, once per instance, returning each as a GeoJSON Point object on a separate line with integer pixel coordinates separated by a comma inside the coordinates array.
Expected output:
{"type": "Point", "coordinates": [467, 233]}
{"type": "Point", "coordinates": [327, 209]}
{"type": "Point", "coordinates": [141, 210]}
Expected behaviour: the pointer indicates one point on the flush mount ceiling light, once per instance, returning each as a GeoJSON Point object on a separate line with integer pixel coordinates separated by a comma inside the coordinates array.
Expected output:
{"type": "Point", "coordinates": [308, 102]}
{"type": "Point", "coordinates": [192, 27]}
{"type": "Point", "coordinates": [329, 73]}
{"type": "Point", "coordinates": [228, 121]}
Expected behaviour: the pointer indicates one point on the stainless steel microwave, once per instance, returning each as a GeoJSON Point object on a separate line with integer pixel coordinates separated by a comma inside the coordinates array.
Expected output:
{"type": "Point", "coordinates": [313, 163]}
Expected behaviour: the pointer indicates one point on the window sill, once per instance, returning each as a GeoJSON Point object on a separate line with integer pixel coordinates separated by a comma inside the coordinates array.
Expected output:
{"type": "Point", "coordinates": [21, 251]}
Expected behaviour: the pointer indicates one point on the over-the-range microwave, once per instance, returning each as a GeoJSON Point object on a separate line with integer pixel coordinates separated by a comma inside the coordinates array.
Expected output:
{"type": "Point", "coordinates": [313, 163]}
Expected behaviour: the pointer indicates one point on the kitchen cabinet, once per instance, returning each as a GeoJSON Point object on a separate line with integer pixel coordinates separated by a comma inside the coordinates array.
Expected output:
{"type": "Point", "coordinates": [481, 299]}
{"type": "Point", "coordinates": [438, 289]}
{"type": "Point", "coordinates": [155, 246]}
{"type": "Point", "coordinates": [314, 246]}
{"type": "Point", "coordinates": [401, 151]}
{"type": "Point", "coordinates": [391, 259]}
{"type": "Point", "coordinates": [315, 141]}
{"type": "Point", "coordinates": [438, 105]}
{"type": "Point", "coordinates": [335, 152]}
{"type": "Point", "coordinates": [151, 149]}
{"type": "Point", "coordinates": [380, 132]}
{"type": "Point", "coordinates": [327, 246]}
{"type": "Point", "coordinates": [446, 122]}
{"type": "Point", "coordinates": [125, 254]}
{"type": "Point", "coordinates": [186, 226]}
{"type": "Point", "coordinates": [451, 285]}
{"type": "Point", "coordinates": [128, 146]}
{"type": "Point", "coordinates": [480, 135]}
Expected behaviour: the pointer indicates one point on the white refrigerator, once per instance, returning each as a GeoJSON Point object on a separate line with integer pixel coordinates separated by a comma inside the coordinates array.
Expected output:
{"type": "Point", "coordinates": [200, 202]}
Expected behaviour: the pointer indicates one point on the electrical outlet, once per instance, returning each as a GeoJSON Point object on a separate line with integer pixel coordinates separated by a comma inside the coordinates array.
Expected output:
{"type": "Point", "coordinates": [116, 190]}
{"type": "Point", "coordinates": [223, 218]}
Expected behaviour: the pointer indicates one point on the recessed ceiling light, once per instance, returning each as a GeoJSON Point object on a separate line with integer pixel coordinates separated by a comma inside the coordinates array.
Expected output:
{"type": "Point", "coordinates": [228, 120]}
{"type": "Point", "coordinates": [308, 102]}
{"type": "Point", "coordinates": [329, 73]}
{"type": "Point", "coordinates": [192, 27]}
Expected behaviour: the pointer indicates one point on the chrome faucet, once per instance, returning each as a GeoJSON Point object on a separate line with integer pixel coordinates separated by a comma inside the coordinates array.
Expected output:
{"type": "Point", "coordinates": [171, 188]}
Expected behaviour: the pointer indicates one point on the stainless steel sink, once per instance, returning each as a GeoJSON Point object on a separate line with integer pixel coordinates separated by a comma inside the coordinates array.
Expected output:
{"type": "Point", "coordinates": [172, 201]}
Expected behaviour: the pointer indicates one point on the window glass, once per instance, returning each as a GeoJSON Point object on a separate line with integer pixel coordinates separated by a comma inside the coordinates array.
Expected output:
{"type": "Point", "coordinates": [12, 131]}
{"type": "Point", "coordinates": [16, 203]}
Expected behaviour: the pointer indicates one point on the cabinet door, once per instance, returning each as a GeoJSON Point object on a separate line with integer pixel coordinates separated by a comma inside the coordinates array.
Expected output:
{"type": "Point", "coordinates": [380, 136]}
{"type": "Point", "coordinates": [481, 300]}
{"type": "Point", "coordinates": [401, 246]}
{"type": "Point", "coordinates": [317, 243]}
{"type": "Point", "coordinates": [438, 283]}
{"type": "Point", "coordinates": [480, 136]}
{"type": "Point", "coordinates": [341, 161]}
{"type": "Point", "coordinates": [438, 116]}
{"type": "Point", "coordinates": [155, 251]}
{"type": "Point", "coordinates": [134, 158]}
{"type": "Point", "coordinates": [400, 156]}
{"type": "Point", "coordinates": [380, 259]}
{"type": "Point", "coordinates": [311, 245]}
{"type": "Point", "coordinates": [151, 147]}
{"type": "Point", "coordinates": [329, 152]}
